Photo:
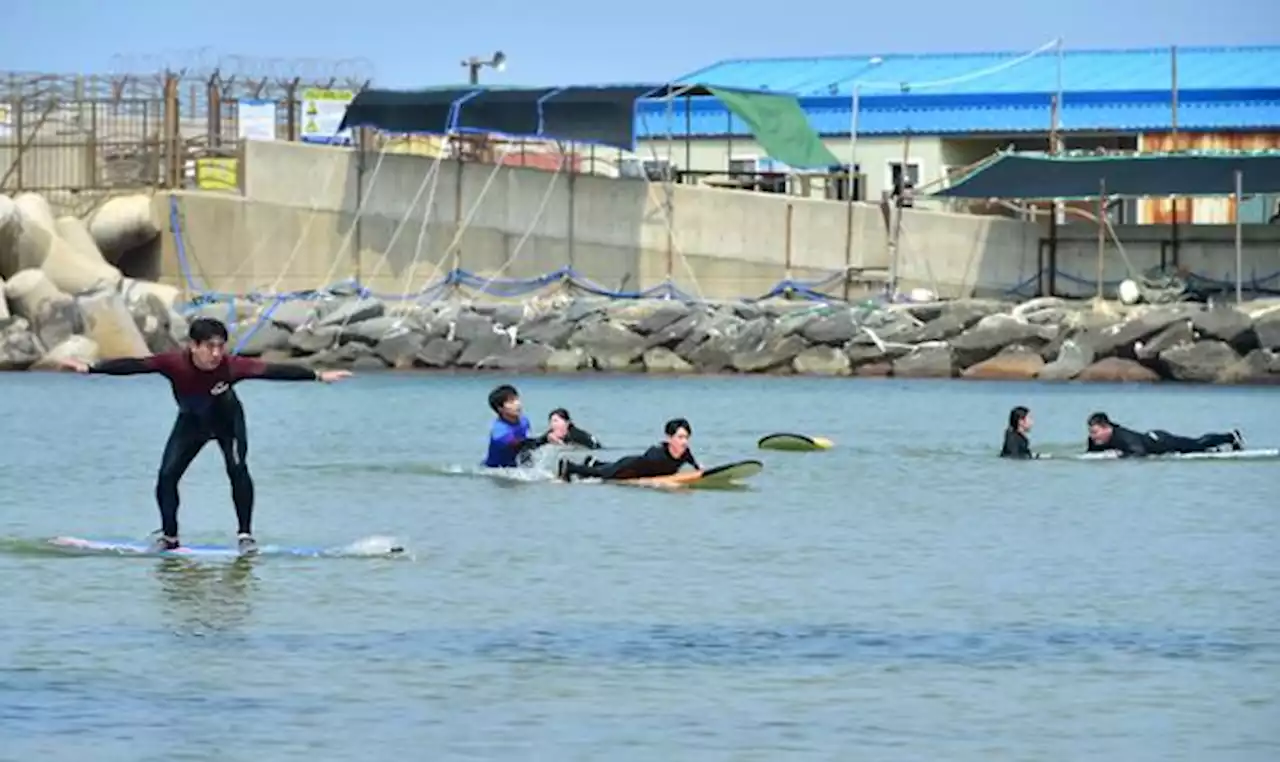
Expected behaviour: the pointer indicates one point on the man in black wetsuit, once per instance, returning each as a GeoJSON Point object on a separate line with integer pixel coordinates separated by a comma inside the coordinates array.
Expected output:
{"type": "Point", "coordinates": [660, 460]}
{"type": "Point", "coordinates": [202, 376]}
{"type": "Point", "coordinates": [1105, 435]}
{"type": "Point", "coordinates": [1015, 437]}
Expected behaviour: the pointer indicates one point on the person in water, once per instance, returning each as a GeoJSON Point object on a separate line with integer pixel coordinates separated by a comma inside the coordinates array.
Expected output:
{"type": "Point", "coordinates": [1015, 437]}
{"type": "Point", "coordinates": [662, 459]}
{"type": "Point", "coordinates": [202, 376]}
{"type": "Point", "coordinates": [561, 430]}
{"type": "Point", "coordinates": [1106, 435]}
{"type": "Point", "coordinates": [509, 434]}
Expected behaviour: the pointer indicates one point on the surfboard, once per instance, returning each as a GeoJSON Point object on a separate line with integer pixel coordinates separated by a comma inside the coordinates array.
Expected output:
{"type": "Point", "coordinates": [727, 475]}
{"type": "Point", "coordinates": [793, 443]}
{"type": "Point", "coordinates": [84, 545]}
{"type": "Point", "coordinates": [1223, 455]}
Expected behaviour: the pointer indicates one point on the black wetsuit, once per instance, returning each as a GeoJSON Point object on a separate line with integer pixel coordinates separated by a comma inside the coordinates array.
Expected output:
{"type": "Point", "coordinates": [656, 461]}
{"type": "Point", "coordinates": [1130, 443]}
{"type": "Point", "coordinates": [575, 437]}
{"type": "Point", "coordinates": [1016, 445]}
{"type": "Point", "coordinates": [207, 409]}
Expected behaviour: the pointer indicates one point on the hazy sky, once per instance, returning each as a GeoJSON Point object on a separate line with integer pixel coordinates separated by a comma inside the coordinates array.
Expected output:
{"type": "Point", "coordinates": [566, 41]}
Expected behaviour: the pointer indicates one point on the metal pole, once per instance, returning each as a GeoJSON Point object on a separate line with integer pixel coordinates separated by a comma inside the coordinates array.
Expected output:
{"type": "Point", "coordinates": [1102, 231]}
{"type": "Point", "coordinates": [1173, 123]}
{"type": "Point", "coordinates": [854, 103]}
{"type": "Point", "coordinates": [1239, 241]}
{"type": "Point", "coordinates": [1059, 209]}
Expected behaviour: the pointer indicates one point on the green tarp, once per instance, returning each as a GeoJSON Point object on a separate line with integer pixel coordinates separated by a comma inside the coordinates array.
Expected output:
{"type": "Point", "coordinates": [780, 127]}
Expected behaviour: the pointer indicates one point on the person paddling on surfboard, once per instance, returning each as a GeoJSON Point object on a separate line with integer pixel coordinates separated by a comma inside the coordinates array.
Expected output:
{"type": "Point", "coordinates": [202, 376]}
{"type": "Point", "coordinates": [1015, 437]}
{"type": "Point", "coordinates": [509, 434]}
{"type": "Point", "coordinates": [1105, 435]}
{"type": "Point", "coordinates": [663, 459]}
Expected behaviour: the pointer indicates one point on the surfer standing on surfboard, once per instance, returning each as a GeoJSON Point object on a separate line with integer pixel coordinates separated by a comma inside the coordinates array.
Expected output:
{"type": "Point", "coordinates": [202, 376]}
{"type": "Point", "coordinates": [663, 459]}
{"type": "Point", "coordinates": [1105, 435]}
{"type": "Point", "coordinates": [1015, 437]}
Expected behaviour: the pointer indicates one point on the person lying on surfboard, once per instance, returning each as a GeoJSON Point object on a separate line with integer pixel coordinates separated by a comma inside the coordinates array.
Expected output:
{"type": "Point", "coordinates": [202, 376]}
{"type": "Point", "coordinates": [1015, 437]}
{"type": "Point", "coordinates": [1106, 435]}
{"type": "Point", "coordinates": [509, 434]}
{"type": "Point", "coordinates": [663, 459]}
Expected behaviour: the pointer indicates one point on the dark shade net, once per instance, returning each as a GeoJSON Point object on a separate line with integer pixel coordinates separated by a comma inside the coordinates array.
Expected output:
{"type": "Point", "coordinates": [422, 111]}
{"type": "Point", "coordinates": [511, 112]}
{"type": "Point", "coordinates": [1071, 177]}
{"type": "Point", "coordinates": [603, 115]}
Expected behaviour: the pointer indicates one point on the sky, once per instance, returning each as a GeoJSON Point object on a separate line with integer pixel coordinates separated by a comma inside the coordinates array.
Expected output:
{"type": "Point", "coordinates": [411, 43]}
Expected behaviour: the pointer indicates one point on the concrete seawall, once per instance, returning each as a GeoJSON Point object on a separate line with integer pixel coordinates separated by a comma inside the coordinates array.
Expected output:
{"type": "Point", "coordinates": [296, 227]}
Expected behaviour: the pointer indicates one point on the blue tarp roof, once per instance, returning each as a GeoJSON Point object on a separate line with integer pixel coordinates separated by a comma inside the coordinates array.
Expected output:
{"type": "Point", "coordinates": [1127, 70]}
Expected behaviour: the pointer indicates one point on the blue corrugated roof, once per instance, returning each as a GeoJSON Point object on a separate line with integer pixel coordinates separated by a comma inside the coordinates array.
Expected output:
{"type": "Point", "coordinates": [1199, 68]}
{"type": "Point", "coordinates": [830, 118]}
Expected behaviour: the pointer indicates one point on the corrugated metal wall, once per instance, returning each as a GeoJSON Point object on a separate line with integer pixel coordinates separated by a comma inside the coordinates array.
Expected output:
{"type": "Point", "coordinates": [1206, 211]}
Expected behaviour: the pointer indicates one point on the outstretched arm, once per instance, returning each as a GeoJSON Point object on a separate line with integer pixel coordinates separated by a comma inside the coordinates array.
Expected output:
{"type": "Point", "coordinates": [688, 458]}
{"type": "Point", "coordinates": [123, 366]}
{"type": "Point", "coordinates": [583, 438]}
{"type": "Point", "coordinates": [251, 367]}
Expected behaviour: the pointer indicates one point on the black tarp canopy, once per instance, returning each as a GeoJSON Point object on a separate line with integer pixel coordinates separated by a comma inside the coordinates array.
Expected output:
{"type": "Point", "coordinates": [1042, 176]}
{"type": "Point", "coordinates": [603, 115]}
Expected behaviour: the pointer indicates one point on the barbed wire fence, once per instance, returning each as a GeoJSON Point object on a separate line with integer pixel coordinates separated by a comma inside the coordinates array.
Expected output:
{"type": "Point", "coordinates": [147, 120]}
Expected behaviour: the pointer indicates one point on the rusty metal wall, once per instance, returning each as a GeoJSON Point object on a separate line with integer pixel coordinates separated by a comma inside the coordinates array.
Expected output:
{"type": "Point", "coordinates": [145, 124]}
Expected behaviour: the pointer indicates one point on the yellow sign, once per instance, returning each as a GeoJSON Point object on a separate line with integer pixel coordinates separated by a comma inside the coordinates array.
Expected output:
{"type": "Point", "coordinates": [324, 110]}
{"type": "Point", "coordinates": [218, 174]}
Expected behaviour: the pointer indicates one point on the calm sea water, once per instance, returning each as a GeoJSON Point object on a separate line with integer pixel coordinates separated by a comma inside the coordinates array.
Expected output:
{"type": "Point", "coordinates": [906, 596]}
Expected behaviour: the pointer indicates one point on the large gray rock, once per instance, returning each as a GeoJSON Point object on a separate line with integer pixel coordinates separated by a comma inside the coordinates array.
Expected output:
{"type": "Point", "coordinates": [663, 360]}
{"type": "Point", "coordinates": [483, 349]}
{"type": "Point", "coordinates": [19, 349]}
{"type": "Point", "coordinates": [354, 311]}
{"type": "Point", "coordinates": [521, 358]}
{"type": "Point", "coordinates": [295, 313]}
{"type": "Point", "coordinates": [315, 338]}
{"type": "Point", "coordinates": [1201, 362]}
{"type": "Point", "coordinates": [670, 336]}
{"type": "Point", "coordinates": [1225, 324]}
{"type": "Point", "coordinates": [262, 336]}
{"type": "Point", "coordinates": [963, 312]}
{"type": "Point", "coordinates": [1266, 329]}
{"type": "Point", "coordinates": [1175, 334]}
{"type": "Point", "coordinates": [610, 345]}
{"type": "Point", "coordinates": [1071, 360]}
{"type": "Point", "coordinates": [822, 360]}
{"type": "Point", "coordinates": [469, 326]}
{"type": "Point", "coordinates": [833, 330]}
{"type": "Point", "coordinates": [370, 331]}
{"type": "Point", "coordinates": [567, 360]}
{"type": "Point", "coordinates": [995, 332]}
{"type": "Point", "coordinates": [775, 352]}
{"type": "Point", "coordinates": [1261, 366]}
{"type": "Point", "coordinates": [552, 330]}
{"type": "Point", "coordinates": [399, 347]}
{"type": "Point", "coordinates": [439, 353]}
{"type": "Point", "coordinates": [932, 360]}
{"type": "Point", "coordinates": [1120, 340]}
{"type": "Point", "coordinates": [648, 316]}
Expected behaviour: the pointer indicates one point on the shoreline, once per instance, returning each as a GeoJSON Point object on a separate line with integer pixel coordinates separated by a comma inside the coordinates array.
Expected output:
{"type": "Point", "coordinates": [1045, 339]}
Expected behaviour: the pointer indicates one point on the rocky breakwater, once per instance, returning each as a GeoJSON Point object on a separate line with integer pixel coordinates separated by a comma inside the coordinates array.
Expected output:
{"type": "Point", "coordinates": [1048, 339]}
{"type": "Point", "coordinates": [64, 294]}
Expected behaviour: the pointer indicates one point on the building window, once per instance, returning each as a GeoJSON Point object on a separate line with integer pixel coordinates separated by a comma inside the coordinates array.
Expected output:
{"type": "Point", "coordinates": [903, 179]}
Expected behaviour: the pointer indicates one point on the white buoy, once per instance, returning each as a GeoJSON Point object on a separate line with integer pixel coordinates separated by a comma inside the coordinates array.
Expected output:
{"type": "Point", "coordinates": [1129, 292]}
